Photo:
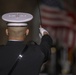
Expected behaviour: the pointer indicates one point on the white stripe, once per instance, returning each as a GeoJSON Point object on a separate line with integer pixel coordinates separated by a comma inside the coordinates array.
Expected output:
{"type": "Point", "coordinates": [42, 6]}
{"type": "Point", "coordinates": [75, 40]}
{"type": "Point", "coordinates": [70, 38]}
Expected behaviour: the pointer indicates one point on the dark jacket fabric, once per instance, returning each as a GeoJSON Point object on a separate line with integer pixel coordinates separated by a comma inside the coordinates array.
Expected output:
{"type": "Point", "coordinates": [32, 59]}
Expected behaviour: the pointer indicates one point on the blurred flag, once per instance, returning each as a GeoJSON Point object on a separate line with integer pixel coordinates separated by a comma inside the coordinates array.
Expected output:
{"type": "Point", "coordinates": [53, 13]}
{"type": "Point", "coordinates": [58, 21]}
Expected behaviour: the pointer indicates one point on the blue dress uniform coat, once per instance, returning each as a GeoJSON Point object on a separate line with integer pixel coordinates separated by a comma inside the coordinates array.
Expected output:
{"type": "Point", "coordinates": [32, 60]}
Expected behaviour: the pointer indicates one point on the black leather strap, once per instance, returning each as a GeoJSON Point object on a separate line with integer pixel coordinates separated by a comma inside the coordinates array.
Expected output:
{"type": "Point", "coordinates": [18, 59]}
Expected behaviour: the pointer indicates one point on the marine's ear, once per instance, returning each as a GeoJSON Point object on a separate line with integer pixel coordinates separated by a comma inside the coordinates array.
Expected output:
{"type": "Point", "coordinates": [27, 31]}
{"type": "Point", "coordinates": [6, 31]}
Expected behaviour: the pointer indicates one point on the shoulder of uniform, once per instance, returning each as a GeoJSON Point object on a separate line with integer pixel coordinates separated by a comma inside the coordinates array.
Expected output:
{"type": "Point", "coordinates": [31, 43]}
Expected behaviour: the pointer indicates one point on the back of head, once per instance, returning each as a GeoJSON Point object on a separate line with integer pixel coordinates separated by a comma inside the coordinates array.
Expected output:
{"type": "Point", "coordinates": [17, 31]}
{"type": "Point", "coordinates": [17, 26]}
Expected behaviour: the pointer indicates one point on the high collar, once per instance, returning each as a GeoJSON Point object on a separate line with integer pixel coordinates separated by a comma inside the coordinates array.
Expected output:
{"type": "Point", "coordinates": [14, 40]}
{"type": "Point", "coordinates": [15, 43]}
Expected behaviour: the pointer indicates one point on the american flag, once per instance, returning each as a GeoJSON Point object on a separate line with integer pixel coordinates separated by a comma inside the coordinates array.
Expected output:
{"type": "Point", "coordinates": [58, 21]}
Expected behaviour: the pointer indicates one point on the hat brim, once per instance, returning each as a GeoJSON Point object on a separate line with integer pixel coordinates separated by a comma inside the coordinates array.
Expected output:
{"type": "Point", "coordinates": [16, 24]}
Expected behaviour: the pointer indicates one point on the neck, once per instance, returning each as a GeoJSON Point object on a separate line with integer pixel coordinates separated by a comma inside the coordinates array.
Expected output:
{"type": "Point", "coordinates": [16, 39]}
